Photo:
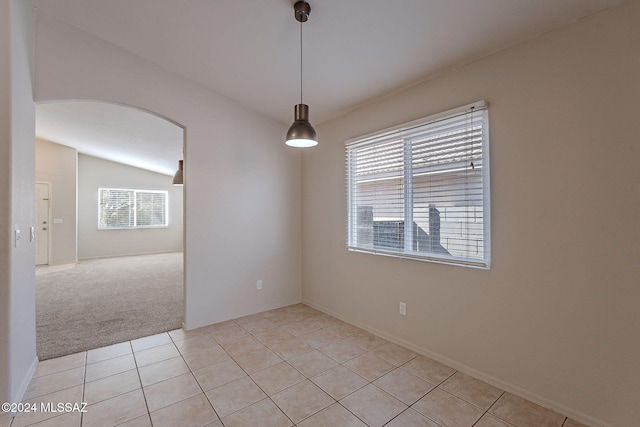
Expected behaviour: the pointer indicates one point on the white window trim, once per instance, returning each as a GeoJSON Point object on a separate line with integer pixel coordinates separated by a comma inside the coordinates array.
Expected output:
{"type": "Point", "coordinates": [135, 190]}
{"type": "Point", "coordinates": [373, 137]}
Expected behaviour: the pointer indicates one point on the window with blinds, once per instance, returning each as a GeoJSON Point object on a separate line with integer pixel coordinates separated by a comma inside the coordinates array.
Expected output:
{"type": "Point", "coordinates": [125, 208]}
{"type": "Point", "coordinates": [421, 190]}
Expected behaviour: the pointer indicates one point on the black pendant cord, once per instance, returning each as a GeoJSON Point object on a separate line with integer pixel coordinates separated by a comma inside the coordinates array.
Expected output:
{"type": "Point", "coordinates": [300, 62]}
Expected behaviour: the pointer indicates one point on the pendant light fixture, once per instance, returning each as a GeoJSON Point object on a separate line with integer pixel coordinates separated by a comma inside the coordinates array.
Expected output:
{"type": "Point", "coordinates": [177, 178]}
{"type": "Point", "coordinates": [301, 133]}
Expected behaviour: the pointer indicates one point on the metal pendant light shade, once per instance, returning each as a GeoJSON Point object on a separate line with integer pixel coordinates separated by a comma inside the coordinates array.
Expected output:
{"type": "Point", "coordinates": [301, 133]}
{"type": "Point", "coordinates": [177, 178]}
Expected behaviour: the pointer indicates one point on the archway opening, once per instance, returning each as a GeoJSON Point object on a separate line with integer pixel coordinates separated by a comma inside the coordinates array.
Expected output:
{"type": "Point", "coordinates": [112, 225]}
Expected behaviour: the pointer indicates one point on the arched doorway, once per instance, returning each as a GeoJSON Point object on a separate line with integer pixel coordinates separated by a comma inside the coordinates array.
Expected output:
{"type": "Point", "coordinates": [116, 227]}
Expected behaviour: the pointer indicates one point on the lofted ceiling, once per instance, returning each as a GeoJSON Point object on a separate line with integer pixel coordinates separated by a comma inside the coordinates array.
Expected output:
{"type": "Point", "coordinates": [354, 50]}
{"type": "Point", "coordinates": [112, 132]}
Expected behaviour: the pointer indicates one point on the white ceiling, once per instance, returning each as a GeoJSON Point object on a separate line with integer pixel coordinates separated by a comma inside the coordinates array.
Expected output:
{"type": "Point", "coordinates": [113, 132]}
{"type": "Point", "coordinates": [354, 50]}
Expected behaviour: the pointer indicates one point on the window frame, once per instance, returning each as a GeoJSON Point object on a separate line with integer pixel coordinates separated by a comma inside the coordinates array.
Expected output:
{"type": "Point", "coordinates": [404, 131]}
{"type": "Point", "coordinates": [135, 210]}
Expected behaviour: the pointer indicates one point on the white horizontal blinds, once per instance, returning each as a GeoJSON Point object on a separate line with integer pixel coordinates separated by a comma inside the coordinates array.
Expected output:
{"type": "Point", "coordinates": [377, 202]}
{"type": "Point", "coordinates": [151, 209]}
{"type": "Point", "coordinates": [116, 208]}
{"type": "Point", "coordinates": [447, 183]}
{"type": "Point", "coordinates": [126, 208]}
{"type": "Point", "coordinates": [418, 191]}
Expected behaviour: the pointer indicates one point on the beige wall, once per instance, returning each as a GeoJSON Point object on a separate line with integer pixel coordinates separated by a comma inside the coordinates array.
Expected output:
{"type": "Point", "coordinates": [17, 193]}
{"type": "Point", "coordinates": [94, 173]}
{"type": "Point", "coordinates": [58, 165]}
{"type": "Point", "coordinates": [556, 319]}
{"type": "Point", "coordinates": [242, 184]}
{"type": "Point", "coordinates": [62, 166]}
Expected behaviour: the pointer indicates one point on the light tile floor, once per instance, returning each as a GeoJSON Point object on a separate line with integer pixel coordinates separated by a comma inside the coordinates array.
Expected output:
{"type": "Point", "coordinates": [284, 367]}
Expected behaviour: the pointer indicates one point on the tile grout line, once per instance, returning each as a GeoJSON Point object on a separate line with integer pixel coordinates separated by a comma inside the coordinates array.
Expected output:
{"type": "Point", "coordinates": [84, 383]}
{"type": "Point", "coordinates": [421, 397]}
{"type": "Point", "coordinates": [257, 385]}
{"type": "Point", "coordinates": [278, 325]}
{"type": "Point", "coordinates": [335, 401]}
{"type": "Point", "coordinates": [371, 351]}
{"type": "Point", "coordinates": [138, 372]}
{"type": "Point", "coordinates": [293, 385]}
{"type": "Point", "coordinates": [338, 364]}
{"type": "Point", "coordinates": [486, 411]}
{"type": "Point", "coordinates": [144, 396]}
{"type": "Point", "coordinates": [194, 377]}
{"type": "Point", "coordinates": [160, 361]}
{"type": "Point", "coordinates": [56, 391]}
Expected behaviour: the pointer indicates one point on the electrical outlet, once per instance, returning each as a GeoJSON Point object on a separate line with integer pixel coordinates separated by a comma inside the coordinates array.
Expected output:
{"type": "Point", "coordinates": [403, 308]}
{"type": "Point", "coordinates": [259, 285]}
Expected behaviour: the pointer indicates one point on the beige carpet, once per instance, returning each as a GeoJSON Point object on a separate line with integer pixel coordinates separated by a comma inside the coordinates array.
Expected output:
{"type": "Point", "coordinates": [105, 301]}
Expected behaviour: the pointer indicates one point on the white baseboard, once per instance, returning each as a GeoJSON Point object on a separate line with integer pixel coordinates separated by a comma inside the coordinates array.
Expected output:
{"type": "Point", "coordinates": [496, 382]}
{"type": "Point", "coordinates": [127, 254]}
{"type": "Point", "coordinates": [25, 382]}
{"type": "Point", "coordinates": [241, 314]}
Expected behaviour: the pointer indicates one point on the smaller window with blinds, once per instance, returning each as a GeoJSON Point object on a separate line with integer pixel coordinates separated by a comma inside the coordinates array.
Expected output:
{"type": "Point", "coordinates": [121, 208]}
{"type": "Point", "coordinates": [421, 190]}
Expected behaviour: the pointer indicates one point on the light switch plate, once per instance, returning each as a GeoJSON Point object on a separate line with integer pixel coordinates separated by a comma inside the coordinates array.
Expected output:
{"type": "Point", "coordinates": [403, 309]}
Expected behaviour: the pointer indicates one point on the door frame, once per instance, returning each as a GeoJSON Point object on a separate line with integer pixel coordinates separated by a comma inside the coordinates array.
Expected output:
{"type": "Point", "coordinates": [49, 220]}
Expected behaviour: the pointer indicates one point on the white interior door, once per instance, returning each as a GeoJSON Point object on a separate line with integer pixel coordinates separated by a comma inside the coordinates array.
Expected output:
{"type": "Point", "coordinates": [42, 226]}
